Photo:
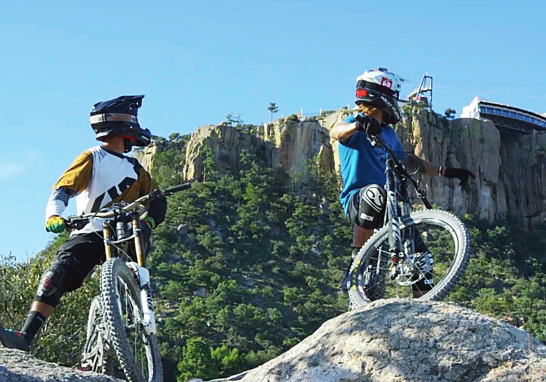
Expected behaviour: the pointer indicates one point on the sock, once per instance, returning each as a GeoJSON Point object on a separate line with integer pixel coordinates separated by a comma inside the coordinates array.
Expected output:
{"type": "Point", "coordinates": [33, 323]}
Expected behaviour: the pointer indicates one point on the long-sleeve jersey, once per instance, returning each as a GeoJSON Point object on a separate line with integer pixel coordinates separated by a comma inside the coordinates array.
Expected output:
{"type": "Point", "coordinates": [98, 177]}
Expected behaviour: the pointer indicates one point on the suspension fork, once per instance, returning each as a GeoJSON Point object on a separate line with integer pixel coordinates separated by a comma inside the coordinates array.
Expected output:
{"type": "Point", "coordinates": [393, 220]}
{"type": "Point", "coordinates": [143, 277]}
{"type": "Point", "coordinates": [408, 239]}
{"type": "Point", "coordinates": [106, 233]}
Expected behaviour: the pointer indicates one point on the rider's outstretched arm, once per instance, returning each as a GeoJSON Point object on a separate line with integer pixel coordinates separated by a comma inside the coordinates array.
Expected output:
{"type": "Point", "coordinates": [423, 166]}
{"type": "Point", "coordinates": [430, 169]}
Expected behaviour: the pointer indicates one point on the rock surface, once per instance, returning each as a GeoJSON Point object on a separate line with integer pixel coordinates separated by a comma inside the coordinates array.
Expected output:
{"type": "Point", "coordinates": [17, 366]}
{"type": "Point", "coordinates": [510, 169]}
{"type": "Point", "coordinates": [400, 340]}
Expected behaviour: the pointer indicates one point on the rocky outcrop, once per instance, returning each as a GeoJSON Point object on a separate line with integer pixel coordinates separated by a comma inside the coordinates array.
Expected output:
{"type": "Point", "coordinates": [17, 366]}
{"type": "Point", "coordinates": [510, 169]}
{"type": "Point", "coordinates": [290, 143]}
{"type": "Point", "coordinates": [400, 340]}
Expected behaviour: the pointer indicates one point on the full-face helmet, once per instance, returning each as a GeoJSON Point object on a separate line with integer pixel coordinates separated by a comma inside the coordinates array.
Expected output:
{"type": "Point", "coordinates": [380, 88]}
{"type": "Point", "coordinates": [118, 117]}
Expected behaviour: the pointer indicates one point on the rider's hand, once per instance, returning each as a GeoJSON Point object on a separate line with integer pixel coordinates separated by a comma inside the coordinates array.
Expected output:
{"type": "Point", "coordinates": [459, 173]}
{"type": "Point", "coordinates": [367, 124]}
{"type": "Point", "coordinates": [150, 221]}
{"type": "Point", "coordinates": [55, 224]}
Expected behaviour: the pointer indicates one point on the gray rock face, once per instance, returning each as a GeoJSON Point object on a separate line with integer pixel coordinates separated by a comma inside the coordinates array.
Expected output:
{"type": "Point", "coordinates": [17, 366]}
{"type": "Point", "coordinates": [510, 169]}
{"type": "Point", "coordinates": [399, 340]}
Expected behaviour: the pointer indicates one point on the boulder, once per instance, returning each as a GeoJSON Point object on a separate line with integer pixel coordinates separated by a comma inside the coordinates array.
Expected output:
{"type": "Point", "coordinates": [400, 340]}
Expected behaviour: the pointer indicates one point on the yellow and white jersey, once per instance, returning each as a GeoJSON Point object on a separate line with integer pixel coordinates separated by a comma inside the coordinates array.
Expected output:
{"type": "Point", "coordinates": [96, 178]}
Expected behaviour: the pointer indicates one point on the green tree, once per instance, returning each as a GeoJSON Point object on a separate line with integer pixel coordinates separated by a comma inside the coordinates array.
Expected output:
{"type": "Point", "coordinates": [234, 120]}
{"type": "Point", "coordinates": [272, 109]}
{"type": "Point", "coordinates": [196, 361]}
{"type": "Point", "coordinates": [450, 113]}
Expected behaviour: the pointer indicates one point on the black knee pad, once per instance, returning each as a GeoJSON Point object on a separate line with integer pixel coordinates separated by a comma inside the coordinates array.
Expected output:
{"type": "Point", "coordinates": [54, 282]}
{"type": "Point", "coordinates": [371, 206]}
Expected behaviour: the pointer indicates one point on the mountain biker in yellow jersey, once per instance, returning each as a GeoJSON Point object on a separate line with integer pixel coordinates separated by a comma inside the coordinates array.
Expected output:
{"type": "Point", "coordinates": [363, 165]}
{"type": "Point", "coordinates": [99, 176]}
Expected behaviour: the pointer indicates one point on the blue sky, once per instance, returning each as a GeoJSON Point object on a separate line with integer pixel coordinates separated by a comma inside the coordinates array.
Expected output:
{"type": "Point", "coordinates": [197, 62]}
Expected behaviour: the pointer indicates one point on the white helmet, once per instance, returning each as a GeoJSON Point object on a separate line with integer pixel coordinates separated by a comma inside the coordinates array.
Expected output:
{"type": "Point", "coordinates": [380, 88]}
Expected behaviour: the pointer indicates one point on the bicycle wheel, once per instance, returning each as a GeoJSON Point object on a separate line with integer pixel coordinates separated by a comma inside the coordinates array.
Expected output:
{"type": "Point", "coordinates": [96, 354]}
{"type": "Point", "coordinates": [435, 256]}
{"type": "Point", "coordinates": [137, 352]}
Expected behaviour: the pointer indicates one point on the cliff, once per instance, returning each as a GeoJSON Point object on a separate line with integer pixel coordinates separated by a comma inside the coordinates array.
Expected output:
{"type": "Point", "coordinates": [510, 169]}
{"type": "Point", "coordinates": [399, 340]}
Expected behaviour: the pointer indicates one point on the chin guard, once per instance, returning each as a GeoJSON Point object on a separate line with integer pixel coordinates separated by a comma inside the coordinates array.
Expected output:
{"type": "Point", "coordinates": [127, 145]}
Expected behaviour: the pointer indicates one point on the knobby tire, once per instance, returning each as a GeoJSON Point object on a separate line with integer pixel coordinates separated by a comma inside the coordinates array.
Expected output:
{"type": "Point", "coordinates": [460, 240]}
{"type": "Point", "coordinates": [118, 280]}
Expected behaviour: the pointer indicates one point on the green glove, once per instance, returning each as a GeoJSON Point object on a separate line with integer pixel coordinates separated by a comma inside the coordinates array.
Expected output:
{"type": "Point", "coordinates": [55, 224]}
{"type": "Point", "coordinates": [150, 221]}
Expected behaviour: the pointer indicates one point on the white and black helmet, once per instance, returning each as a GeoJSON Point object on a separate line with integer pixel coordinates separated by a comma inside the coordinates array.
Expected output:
{"type": "Point", "coordinates": [118, 117]}
{"type": "Point", "coordinates": [380, 88]}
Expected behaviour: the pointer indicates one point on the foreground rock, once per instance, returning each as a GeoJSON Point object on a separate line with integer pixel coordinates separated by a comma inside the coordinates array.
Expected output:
{"type": "Point", "coordinates": [399, 340]}
{"type": "Point", "coordinates": [17, 366]}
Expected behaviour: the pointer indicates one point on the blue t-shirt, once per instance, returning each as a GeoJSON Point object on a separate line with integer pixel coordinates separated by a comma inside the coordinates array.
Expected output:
{"type": "Point", "coordinates": [363, 164]}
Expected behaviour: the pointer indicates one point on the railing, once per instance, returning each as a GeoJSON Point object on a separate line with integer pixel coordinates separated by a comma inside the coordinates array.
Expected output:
{"type": "Point", "coordinates": [321, 112]}
{"type": "Point", "coordinates": [492, 110]}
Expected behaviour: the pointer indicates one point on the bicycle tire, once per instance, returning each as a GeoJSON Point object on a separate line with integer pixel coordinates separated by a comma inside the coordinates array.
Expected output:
{"type": "Point", "coordinates": [118, 288]}
{"type": "Point", "coordinates": [460, 236]}
{"type": "Point", "coordinates": [95, 353]}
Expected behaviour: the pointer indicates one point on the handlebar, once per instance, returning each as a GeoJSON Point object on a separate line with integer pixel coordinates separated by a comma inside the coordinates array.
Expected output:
{"type": "Point", "coordinates": [116, 209]}
{"type": "Point", "coordinates": [400, 168]}
{"type": "Point", "coordinates": [180, 187]}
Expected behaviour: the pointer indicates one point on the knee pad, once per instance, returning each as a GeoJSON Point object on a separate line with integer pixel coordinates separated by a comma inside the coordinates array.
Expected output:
{"type": "Point", "coordinates": [371, 207]}
{"type": "Point", "coordinates": [53, 284]}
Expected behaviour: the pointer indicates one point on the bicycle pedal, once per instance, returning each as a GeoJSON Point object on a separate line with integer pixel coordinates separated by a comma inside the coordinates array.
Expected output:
{"type": "Point", "coordinates": [82, 368]}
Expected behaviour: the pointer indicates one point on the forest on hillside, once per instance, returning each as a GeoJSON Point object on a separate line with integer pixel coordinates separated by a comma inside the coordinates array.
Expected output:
{"type": "Point", "coordinates": [246, 266]}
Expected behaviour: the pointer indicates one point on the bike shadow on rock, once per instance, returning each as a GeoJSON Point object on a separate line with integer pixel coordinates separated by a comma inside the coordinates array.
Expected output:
{"type": "Point", "coordinates": [406, 340]}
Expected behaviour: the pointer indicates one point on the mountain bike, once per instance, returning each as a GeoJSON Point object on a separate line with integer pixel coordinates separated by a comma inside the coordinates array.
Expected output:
{"type": "Point", "coordinates": [121, 323]}
{"type": "Point", "coordinates": [416, 254]}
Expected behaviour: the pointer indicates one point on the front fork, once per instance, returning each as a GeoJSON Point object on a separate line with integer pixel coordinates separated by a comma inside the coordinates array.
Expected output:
{"type": "Point", "coordinates": [141, 273]}
{"type": "Point", "coordinates": [148, 315]}
{"type": "Point", "coordinates": [143, 277]}
{"type": "Point", "coordinates": [392, 216]}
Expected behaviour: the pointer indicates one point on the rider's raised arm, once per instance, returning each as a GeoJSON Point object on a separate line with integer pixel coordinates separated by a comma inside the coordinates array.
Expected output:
{"type": "Point", "coordinates": [73, 181]}
{"type": "Point", "coordinates": [342, 131]}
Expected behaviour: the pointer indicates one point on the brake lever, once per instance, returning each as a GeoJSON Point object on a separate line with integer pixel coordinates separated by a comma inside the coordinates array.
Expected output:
{"type": "Point", "coordinates": [76, 224]}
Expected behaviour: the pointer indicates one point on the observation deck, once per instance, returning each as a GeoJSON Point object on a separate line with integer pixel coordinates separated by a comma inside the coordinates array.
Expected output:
{"type": "Point", "coordinates": [508, 119]}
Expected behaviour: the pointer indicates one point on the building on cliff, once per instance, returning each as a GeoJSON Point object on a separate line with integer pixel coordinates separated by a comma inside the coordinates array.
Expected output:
{"type": "Point", "coordinates": [508, 119]}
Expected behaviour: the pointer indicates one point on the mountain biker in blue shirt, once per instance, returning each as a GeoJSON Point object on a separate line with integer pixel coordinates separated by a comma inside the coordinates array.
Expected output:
{"type": "Point", "coordinates": [98, 177]}
{"type": "Point", "coordinates": [363, 165]}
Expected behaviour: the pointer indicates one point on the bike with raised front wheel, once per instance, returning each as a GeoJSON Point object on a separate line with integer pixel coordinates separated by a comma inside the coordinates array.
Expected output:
{"type": "Point", "coordinates": [416, 254]}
